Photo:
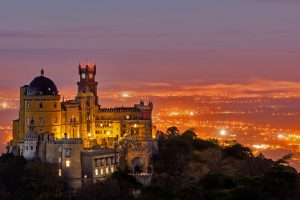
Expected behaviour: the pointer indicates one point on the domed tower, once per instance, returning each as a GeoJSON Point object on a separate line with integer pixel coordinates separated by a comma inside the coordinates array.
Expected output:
{"type": "Point", "coordinates": [42, 107]}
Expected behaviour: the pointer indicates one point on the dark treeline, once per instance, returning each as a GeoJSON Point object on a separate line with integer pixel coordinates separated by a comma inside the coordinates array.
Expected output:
{"type": "Point", "coordinates": [24, 180]}
{"type": "Point", "coordinates": [186, 167]}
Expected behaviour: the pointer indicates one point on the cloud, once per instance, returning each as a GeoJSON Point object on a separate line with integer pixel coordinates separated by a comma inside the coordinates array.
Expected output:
{"type": "Point", "coordinates": [83, 32]}
{"type": "Point", "coordinates": [279, 1]}
{"type": "Point", "coordinates": [257, 87]}
{"type": "Point", "coordinates": [19, 34]}
{"type": "Point", "coordinates": [251, 87]}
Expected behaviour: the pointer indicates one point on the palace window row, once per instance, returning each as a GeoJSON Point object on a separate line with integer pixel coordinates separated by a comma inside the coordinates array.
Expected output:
{"type": "Point", "coordinates": [42, 120]}
{"type": "Point", "coordinates": [41, 105]}
{"type": "Point", "coordinates": [107, 171]}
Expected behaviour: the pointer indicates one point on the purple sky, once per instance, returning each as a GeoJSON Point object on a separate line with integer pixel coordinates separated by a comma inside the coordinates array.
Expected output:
{"type": "Point", "coordinates": [157, 44]}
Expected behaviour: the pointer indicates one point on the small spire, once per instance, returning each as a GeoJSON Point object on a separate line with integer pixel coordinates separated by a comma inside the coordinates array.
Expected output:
{"type": "Point", "coordinates": [42, 72]}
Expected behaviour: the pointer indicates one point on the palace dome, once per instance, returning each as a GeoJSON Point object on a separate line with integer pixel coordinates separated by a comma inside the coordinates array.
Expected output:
{"type": "Point", "coordinates": [41, 85]}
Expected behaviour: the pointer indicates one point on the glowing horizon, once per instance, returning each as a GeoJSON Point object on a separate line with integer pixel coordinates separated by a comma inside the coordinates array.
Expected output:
{"type": "Point", "coordinates": [153, 46]}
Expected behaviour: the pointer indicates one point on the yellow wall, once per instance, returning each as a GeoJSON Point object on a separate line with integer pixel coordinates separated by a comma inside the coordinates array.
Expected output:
{"type": "Point", "coordinates": [47, 118]}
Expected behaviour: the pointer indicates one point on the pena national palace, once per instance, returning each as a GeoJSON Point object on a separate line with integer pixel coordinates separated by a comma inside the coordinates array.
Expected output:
{"type": "Point", "coordinates": [85, 141]}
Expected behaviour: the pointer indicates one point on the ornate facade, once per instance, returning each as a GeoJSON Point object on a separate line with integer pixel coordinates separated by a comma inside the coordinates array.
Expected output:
{"type": "Point", "coordinates": [82, 138]}
{"type": "Point", "coordinates": [42, 110]}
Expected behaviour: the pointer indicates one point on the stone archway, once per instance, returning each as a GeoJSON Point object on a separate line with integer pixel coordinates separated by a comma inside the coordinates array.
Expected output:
{"type": "Point", "coordinates": [137, 165]}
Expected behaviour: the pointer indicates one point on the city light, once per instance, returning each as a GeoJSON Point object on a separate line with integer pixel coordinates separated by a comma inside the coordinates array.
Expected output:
{"type": "Point", "coordinates": [280, 136]}
{"type": "Point", "coordinates": [4, 105]}
{"type": "Point", "coordinates": [223, 132]}
{"type": "Point", "coordinates": [125, 95]}
{"type": "Point", "coordinates": [260, 146]}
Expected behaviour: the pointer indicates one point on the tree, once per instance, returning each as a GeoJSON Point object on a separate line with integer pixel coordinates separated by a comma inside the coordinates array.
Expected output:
{"type": "Point", "coordinates": [238, 151]}
{"type": "Point", "coordinates": [34, 180]}
{"type": "Point", "coordinates": [172, 131]}
{"type": "Point", "coordinates": [189, 134]}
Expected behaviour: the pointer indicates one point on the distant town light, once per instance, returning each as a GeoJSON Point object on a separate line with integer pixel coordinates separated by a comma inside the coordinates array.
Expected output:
{"type": "Point", "coordinates": [192, 113]}
{"type": "Point", "coordinates": [223, 132]}
{"type": "Point", "coordinates": [280, 136]}
{"type": "Point", "coordinates": [173, 113]}
{"type": "Point", "coordinates": [260, 146]}
{"type": "Point", "coordinates": [125, 94]}
{"type": "Point", "coordinates": [4, 105]}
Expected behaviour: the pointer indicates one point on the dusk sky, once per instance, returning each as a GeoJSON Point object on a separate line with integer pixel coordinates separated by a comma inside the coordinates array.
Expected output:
{"type": "Point", "coordinates": [157, 45]}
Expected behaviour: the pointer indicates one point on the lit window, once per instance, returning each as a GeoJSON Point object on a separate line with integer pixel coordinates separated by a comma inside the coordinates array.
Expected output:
{"type": "Point", "coordinates": [68, 163]}
{"type": "Point", "coordinates": [59, 159]}
{"type": "Point", "coordinates": [85, 176]}
{"type": "Point", "coordinates": [91, 76]}
{"type": "Point", "coordinates": [55, 119]}
{"type": "Point", "coordinates": [59, 172]}
{"type": "Point", "coordinates": [106, 170]}
{"type": "Point", "coordinates": [127, 116]}
{"type": "Point", "coordinates": [112, 169]}
{"type": "Point", "coordinates": [101, 171]}
{"type": "Point", "coordinates": [96, 172]}
{"type": "Point", "coordinates": [28, 105]}
{"type": "Point", "coordinates": [83, 75]}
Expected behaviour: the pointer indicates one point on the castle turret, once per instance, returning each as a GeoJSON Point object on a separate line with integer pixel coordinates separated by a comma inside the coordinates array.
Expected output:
{"type": "Point", "coordinates": [87, 81]}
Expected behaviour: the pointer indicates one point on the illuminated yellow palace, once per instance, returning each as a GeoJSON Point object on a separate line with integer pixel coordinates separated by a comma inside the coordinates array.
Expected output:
{"type": "Point", "coordinates": [42, 110]}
